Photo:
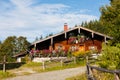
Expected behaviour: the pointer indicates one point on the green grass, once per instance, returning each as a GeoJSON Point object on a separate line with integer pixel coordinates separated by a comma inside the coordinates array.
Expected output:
{"type": "Point", "coordinates": [32, 64]}
{"type": "Point", "coordinates": [5, 75]}
{"type": "Point", "coordinates": [37, 68]}
{"type": "Point", "coordinates": [98, 76]}
{"type": "Point", "coordinates": [51, 66]}
{"type": "Point", "coordinates": [78, 77]}
{"type": "Point", "coordinates": [57, 65]}
{"type": "Point", "coordinates": [104, 76]}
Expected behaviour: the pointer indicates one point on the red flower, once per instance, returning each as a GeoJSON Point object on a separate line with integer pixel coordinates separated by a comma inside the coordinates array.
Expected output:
{"type": "Point", "coordinates": [46, 51]}
{"type": "Point", "coordinates": [71, 39]}
{"type": "Point", "coordinates": [66, 51]}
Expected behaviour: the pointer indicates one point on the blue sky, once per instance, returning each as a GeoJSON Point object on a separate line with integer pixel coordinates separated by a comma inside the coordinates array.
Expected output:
{"type": "Point", "coordinates": [33, 18]}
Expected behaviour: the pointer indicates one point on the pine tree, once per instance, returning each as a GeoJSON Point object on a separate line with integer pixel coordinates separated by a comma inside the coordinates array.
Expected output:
{"type": "Point", "coordinates": [110, 17]}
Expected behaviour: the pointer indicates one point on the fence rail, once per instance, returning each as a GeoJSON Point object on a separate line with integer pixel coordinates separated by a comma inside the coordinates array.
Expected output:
{"type": "Point", "coordinates": [90, 72]}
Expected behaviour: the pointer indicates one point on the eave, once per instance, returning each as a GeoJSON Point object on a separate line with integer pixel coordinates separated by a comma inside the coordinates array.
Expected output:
{"type": "Point", "coordinates": [64, 32]}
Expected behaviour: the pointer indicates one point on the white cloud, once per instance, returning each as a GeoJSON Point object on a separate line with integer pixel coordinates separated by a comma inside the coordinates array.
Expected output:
{"type": "Point", "coordinates": [27, 20]}
{"type": "Point", "coordinates": [22, 4]}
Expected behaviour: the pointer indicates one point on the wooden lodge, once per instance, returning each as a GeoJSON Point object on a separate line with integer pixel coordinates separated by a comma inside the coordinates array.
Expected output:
{"type": "Point", "coordinates": [78, 37]}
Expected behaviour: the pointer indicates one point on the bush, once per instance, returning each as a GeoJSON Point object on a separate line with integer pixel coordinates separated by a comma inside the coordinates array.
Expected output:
{"type": "Point", "coordinates": [110, 57]}
{"type": "Point", "coordinates": [81, 53]}
{"type": "Point", "coordinates": [103, 64]}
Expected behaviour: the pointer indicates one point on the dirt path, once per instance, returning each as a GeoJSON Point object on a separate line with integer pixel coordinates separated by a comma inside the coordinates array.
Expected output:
{"type": "Point", "coordinates": [53, 75]}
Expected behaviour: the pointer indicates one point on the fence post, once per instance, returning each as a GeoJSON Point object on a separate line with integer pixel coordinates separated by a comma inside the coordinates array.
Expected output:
{"type": "Point", "coordinates": [4, 64]}
{"type": "Point", "coordinates": [87, 59]}
{"type": "Point", "coordinates": [116, 76]}
{"type": "Point", "coordinates": [75, 60]}
{"type": "Point", "coordinates": [87, 66]}
{"type": "Point", "coordinates": [43, 65]}
{"type": "Point", "coordinates": [87, 72]}
{"type": "Point", "coordinates": [91, 73]}
{"type": "Point", "coordinates": [61, 61]}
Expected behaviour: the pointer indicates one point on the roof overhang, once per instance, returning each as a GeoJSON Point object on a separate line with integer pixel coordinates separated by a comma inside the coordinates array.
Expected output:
{"type": "Point", "coordinates": [21, 54]}
{"type": "Point", "coordinates": [63, 32]}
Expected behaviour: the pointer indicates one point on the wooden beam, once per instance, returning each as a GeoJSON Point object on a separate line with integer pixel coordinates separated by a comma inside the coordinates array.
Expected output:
{"type": "Point", "coordinates": [35, 46]}
{"type": "Point", "coordinates": [52, 41]}
{"type": "Point", "coordinates": [65, 35]}
{"type": "Point", "coordinates": [79, 30]}
{"type": "Point", "coordinates": [105, 39]}
{"type": "Point", "coordinates": [92, 35]}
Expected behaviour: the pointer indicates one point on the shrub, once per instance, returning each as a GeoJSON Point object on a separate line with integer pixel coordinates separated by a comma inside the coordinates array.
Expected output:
{"type": "Point", "coordinates": [110, 57]}
{"type": "Point", "coordinates": [81, 53]}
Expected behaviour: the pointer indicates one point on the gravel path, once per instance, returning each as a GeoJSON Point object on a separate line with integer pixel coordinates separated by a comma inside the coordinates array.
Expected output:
{"type": "Point", "coordinates": [53, 75]}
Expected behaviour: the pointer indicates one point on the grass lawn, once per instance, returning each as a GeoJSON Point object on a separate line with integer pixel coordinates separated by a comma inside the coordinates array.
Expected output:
{"type": "Point", "coordinates": [78, 77]}
{"type": "Point", "coordinates": [32, 67]}
{"type": "Point", "coordinates": [5, 74]}
{"type": "Point", "coordinates": [50, 66]}
{"type": "Point", "coordinates": [98, 76]}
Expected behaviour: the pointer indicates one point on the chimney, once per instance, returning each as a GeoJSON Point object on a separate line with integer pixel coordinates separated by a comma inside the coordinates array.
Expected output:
{"type": "Point", "coordinates": [65, 27]}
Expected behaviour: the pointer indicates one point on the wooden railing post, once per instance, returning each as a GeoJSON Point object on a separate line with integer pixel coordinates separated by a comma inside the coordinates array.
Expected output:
{"type": "Point", "coordinates": [90, 71]}
{"type": "Point", "coordinates": [43, 65]}
{"type": "Point", "coordinates": [4, 64]}
{"type": "Point", "coordinates": [61, 61]}
{"type": "Point", "coordinates": [74, 60]}
{"type": "Point", "coordinates": [86, 59]}
{"type": "Point", "coordinates": [87, 72]}
{"type": "Point", "coordinates": [116, 76]}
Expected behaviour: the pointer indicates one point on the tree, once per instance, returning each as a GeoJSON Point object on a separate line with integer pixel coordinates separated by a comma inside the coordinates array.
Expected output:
{"type": "Point", "coordinates": [109, 22]}
{"type": "Point", "coordinates": [41, 37]}
{"type": "Point", "coordinates": [82, 24]}
{"type": "Point", "coordinates": [95, 25]}
{"type": "Point", "coordinates": [13, 45]}
{"type": "Point", "coordinates": [7, 48]}
{"type": "Point", "coordinates": [22, 44]}
{"type": "Point", "coordinates": [36, 39]}
{"type": "Point", "coordinates": [0, 42]}
{"type": "Point", "coordinates": [110, 56]}
{"type": "Point", "coordinates": [110, 17]}
{"type": "Point", "coordinates": [51, 34]}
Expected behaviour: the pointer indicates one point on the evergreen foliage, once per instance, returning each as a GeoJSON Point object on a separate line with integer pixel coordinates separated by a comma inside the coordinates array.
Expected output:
{"type": "Point", "coordinates": [110, 17]}
{"type": "Point", "coordinates": [109, 22]}
{"type": "Point", "coordinates": [11, 46]}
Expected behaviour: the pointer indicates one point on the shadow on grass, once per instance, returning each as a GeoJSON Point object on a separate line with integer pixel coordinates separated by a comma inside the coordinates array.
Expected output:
{"type": "Point", "coordinates": [12, 65]}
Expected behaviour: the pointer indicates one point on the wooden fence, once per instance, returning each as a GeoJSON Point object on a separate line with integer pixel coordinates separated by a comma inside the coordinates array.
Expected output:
{"type": "Point", "coordinates": [91, 70]}
{"type": "Point", "coordinates": [10, 65]}
{"type": "Point", "coordinates": [62, 62]}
